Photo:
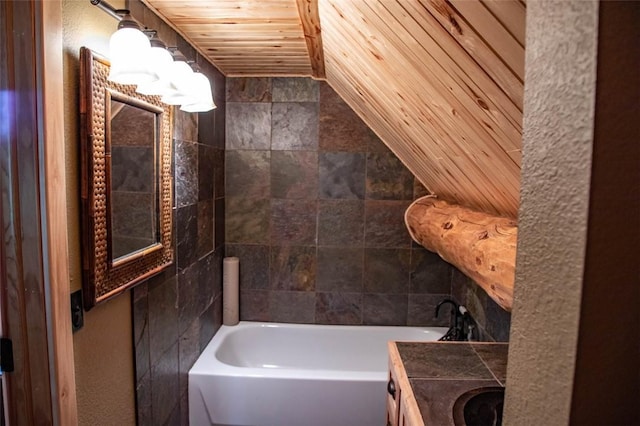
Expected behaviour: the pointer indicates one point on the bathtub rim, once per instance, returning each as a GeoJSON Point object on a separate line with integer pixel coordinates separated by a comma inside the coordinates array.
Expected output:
{"type": "Point", "coordinates": [209, 365]}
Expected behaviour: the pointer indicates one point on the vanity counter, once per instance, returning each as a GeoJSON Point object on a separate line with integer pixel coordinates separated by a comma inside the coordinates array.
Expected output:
{"type": "Point", "coordinates": [430, 377]}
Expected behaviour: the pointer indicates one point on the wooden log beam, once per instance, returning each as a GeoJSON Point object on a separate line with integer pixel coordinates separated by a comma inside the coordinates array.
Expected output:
{"type": "Point", "coordinates": [482, 246]}
{"type": "Point", "coordinates": [310, 19]}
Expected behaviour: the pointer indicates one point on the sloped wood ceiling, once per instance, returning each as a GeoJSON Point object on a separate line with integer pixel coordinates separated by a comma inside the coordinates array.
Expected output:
{"type": "Point", "coordinates": [440, 81]}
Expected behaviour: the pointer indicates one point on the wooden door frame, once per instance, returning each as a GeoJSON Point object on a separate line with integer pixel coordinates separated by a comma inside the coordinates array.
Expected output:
{"type": "Point", "coordinates": [41, 61]}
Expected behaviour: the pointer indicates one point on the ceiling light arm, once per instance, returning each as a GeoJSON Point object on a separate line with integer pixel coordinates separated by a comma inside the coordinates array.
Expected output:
{"type": "Point", "coordinates": [107, 8]}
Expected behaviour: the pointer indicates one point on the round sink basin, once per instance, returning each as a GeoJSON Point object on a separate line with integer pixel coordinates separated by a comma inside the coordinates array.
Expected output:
{"type": "Point", "coordinates": [479, 407]}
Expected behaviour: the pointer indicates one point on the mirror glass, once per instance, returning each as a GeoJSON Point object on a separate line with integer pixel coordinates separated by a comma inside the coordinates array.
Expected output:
{"type": "Point", "coordinates": [134, 213]}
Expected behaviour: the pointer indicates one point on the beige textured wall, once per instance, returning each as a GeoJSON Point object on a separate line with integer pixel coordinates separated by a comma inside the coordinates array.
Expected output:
{"type": "Point", "coordinates": [103, 349]}
{"type": "Point", "coordinates": [553, 218]}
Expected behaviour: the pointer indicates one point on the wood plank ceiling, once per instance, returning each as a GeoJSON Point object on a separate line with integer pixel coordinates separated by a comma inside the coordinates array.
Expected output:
{"type": "Point", "coordinates": [439, 81]}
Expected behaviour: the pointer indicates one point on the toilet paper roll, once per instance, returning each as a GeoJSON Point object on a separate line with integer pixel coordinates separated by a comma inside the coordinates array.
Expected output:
{"type": "Point", "coordinates": [230, 291]}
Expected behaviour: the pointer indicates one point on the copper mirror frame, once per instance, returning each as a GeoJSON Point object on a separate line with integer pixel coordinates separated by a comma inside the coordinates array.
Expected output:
{"type": "Point", "coordinates": [108, 272]}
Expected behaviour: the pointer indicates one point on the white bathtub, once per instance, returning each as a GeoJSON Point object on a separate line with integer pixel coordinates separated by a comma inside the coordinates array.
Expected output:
{"type": "Point", "coordinates": [268, 374]}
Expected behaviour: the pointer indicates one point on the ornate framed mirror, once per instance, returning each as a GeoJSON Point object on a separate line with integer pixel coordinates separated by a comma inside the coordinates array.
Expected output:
{"type": "Point", "coordinates": [126, 183]}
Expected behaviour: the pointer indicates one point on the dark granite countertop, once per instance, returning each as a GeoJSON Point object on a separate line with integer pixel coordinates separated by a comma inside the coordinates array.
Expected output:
{"type": "Point", "coordinates": [439, 372]}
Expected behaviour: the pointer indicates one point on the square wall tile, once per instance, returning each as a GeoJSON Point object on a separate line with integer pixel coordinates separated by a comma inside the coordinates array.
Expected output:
{"type": "Point", "coordinates": [254, 305]}
{"type": "Point", "coordinates": [254, 89]}
{"type": "Point", "coordinates": [292, 306]}
{"type": "Point", "coordinates": [293, 222]}
{"type": "Point", "coordinates": [294, 126]}
{"type": "Point", "coordinates": [422, 309]}
{"type": "Point", "coordinates": [163, 318]}
{"type": "Point", "coordinates": [248, 125]}
{"type": "Point", "coordinates": [341, 222]}
{"type": "Point", "coordinates": [339, 308]}
{"type": "Point", "coordinates": [205, 172]}
{"type": "Point", "coordinates": [247, 220]}
{"type": "Point", "coordinates": [388, 178]}
{"type": "Point", "coordinates": [187, 235]}
{"type": "Point", "coordinates": [386, 270]}
{"type": "Point", "coordinates": [165, 385]}
{"type": "Point", "coordinates": [342, 130]}
{"type": "Point", "coordinates": [293, 268]}
{"type": "Point", "coordinates": [341, 175]}
{"type": "Point", "coordinates": [340, 269]}
{"type": "Point", "coordinates": [294, 174]}
{"type": "Point", "coordinates": [185, 126]}
{"type": "Point", "coordinates": [205, 228]}
{"type": "Point", "coordinates": [248, 173]}
{"type": "Point", "coordinates": [254, 265]}
{"type": "Point", "coordinates": [385, 309]}
{"type": "Point", "coordinates": [429, 272]}
{"type": "Point", "coordinates": [186, 173]}
{"type": "Point", "coordinates": [385, 225]}
{"type": "Point", "coordinates": [293, 89]}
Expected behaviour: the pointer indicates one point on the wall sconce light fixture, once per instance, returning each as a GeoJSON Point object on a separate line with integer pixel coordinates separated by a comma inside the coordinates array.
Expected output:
{"type": "Point", "coordinates": [140, 58]}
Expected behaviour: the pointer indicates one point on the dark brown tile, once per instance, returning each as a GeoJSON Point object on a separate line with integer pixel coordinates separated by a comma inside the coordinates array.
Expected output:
{"type": "Point", "coordinates": [141, 334]}
{"type": "Point", "coordinates": [385, 225]}
{"type": "Point", "coordinates": [186, 173]}
{"type": "Point", "coordinates": [247, 220]}
{"type": "Point", "coordinates": [294, 126]}
{"type": "Point", "coordinates": [163, 318]}
{"type": "Point", "coordinates": [342, 130]}
{"type": "Point", "coordinates": [375, 144]}
{"type": "Point", "coordinates": [218, 173]}
{"type": "Point", "coordinates": [185, 126]}
{"type": "Point", "coordinates": [219, 223]}
{"type": "Point", "coordinates": [494, 355]}
{"type": "Point", "coordinates": [429, 272]}
{"type": "Point", "coordinates": [293, 268]}
{"type": "Point", "coordinates": [254, 265]}
{"type": "Point", "coordinates": [208, 275]}
{"type": "Point", "coordinates": [385, 309]}
{"type": "Point", "coordinates": [190, 302]}
{"type": "Point", "coordinates": [293, 222]}
{"type": "Point", "coordinates": [339, 308]}
{"type": "Point", "coordinates": [144, 401]}
{"type": "Point", "coordinates": [386, 270]}
{"type": "Point", "coordinates": [340, 269]}
{"type": "Point", "coordinates": [220, 121]}
{"type": "Point", "coordinates": [294, 174]}
{"type": "Point", "coordinates": [254, 305]}
{"type": "Point", "coordinates": [328, 95]}
{"type": "Point", "coordinates": [248, 173]}
{"type": "Point", "coordinates": [205, 172]}
{"type": "Point", "coordinates": [189, 350]}
{"type": "Point", "coordinates": [341, 222]}
{"type": "Point", "coordinates": [254, 89]}
{"type": "Point", "coordinates": [205, 228]}
{"type": "Point", "coordinates": [292, 306]}
{"type": "Point", "coordinates": [388, 178]}
{"type": "Point", "coordinates": [210, 322]}
{"type": "Point", "coordinates": [294, 89]}
{"type": "Point", "coordinates": [187, 235]}
{"type": "Point", "coordinates": [449, 360]}
{"type": "Point", "coordinates": [248, 126]}
{"type": "Point", "coordinates": [341, 175]}
{"type": "Point", "coordinates": [422, 308]}
{"type": "Point", "coordinates": [165, 385]}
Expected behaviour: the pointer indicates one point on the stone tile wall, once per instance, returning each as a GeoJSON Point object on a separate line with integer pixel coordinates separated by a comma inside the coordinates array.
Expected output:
{"type": "Point", "coordinates": [177, 312]}
{"type": "Point", "coordinates": [493, 322]}
{"type": "Point", "coordinates": [315, 212]}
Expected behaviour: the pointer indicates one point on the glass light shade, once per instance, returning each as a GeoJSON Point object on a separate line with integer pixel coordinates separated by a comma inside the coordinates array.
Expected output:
{"type": "Point", "coordinates": [129, 49]}
{"type": "Point", "coordinates": [179, 92]}
{"type": "Point", "coordinates": [202, 91]}
{"type": "Point", "coordinates": [160, 60]}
